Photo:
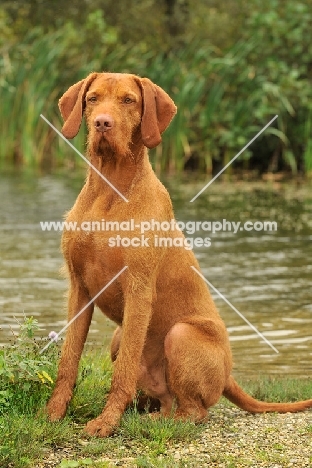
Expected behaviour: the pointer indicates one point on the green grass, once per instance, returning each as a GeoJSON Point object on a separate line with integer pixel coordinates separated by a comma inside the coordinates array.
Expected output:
{"type": "Point", "coordinates": [27, 437]}
{"type": "Point", "coordinates": [278, 389]}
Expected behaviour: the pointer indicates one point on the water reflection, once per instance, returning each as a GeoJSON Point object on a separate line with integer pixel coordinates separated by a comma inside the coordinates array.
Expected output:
{"type": "Point", "coordinates": [266, 275]}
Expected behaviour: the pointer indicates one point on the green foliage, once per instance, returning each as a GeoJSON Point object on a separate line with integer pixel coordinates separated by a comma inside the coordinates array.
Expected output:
{"type": "Point", "coordinates": [25, 383]}
{"type": "Point", "coordinates": [156, 432]}
{"type": "Point", "coordinates": [24, 437]}
{"type": "Point", "coordinates": [92, 387]}
{"type": "Point", "coordinates": [22, 369]}
{"type": "Point", "coordinates": [33, 77]}
{"type": "Point", "coordinates": [226, 87]}
{"type": "Point", "coordinates": [307, 137]}
{"type": "Point", "coordinates": [277, 390]}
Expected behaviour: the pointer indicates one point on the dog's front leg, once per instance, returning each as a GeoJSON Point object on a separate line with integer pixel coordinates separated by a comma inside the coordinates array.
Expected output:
{"type": "Point", "coordinates": [137, 314]}
{"type": "Point", "coordinates": [71, 351]}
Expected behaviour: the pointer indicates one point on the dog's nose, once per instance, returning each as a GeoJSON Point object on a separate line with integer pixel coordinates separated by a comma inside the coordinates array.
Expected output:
{"type": "Point", "coordinates": [103, 122]}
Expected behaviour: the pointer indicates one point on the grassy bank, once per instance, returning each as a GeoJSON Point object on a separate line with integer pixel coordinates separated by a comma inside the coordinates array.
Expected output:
{"type": "Point", "coordinates": [27, 439]}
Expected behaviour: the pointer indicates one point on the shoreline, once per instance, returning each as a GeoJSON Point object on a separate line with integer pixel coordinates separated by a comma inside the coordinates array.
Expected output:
{"type": "Point", "coordinates": [230, 438]}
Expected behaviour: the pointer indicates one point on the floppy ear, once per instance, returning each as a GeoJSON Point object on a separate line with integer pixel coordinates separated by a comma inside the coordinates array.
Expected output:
{"type": "Point", "coordinates": [72, 105]}
{"type": "Point", "coordinates": [158, 111]}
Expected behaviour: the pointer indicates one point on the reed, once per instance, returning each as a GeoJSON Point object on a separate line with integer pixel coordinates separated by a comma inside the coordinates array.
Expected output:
{"type": "Point", "coordinates": [222, 99]}
{"type": "Point", "coordinates": [307, 154]}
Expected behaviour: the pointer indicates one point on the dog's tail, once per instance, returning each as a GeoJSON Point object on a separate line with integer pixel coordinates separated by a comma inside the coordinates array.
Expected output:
{"type": "Point", "coordinates": [236, 395]}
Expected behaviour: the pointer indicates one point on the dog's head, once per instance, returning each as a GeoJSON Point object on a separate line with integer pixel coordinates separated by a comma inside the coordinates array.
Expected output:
{"type": "Point", "coordinates": [119, 109]}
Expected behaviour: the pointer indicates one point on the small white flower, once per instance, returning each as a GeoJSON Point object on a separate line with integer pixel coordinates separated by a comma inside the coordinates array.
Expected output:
{"type": "Point", "coordinates": [53, 336]}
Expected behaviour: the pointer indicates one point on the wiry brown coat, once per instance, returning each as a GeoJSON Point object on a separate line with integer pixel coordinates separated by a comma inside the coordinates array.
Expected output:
{"type": "Point", "coordinates": [170, 341]}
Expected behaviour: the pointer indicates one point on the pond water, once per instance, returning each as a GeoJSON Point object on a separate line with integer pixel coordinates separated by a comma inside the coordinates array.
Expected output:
{"type": "Point", "coordinates": [265, 275]}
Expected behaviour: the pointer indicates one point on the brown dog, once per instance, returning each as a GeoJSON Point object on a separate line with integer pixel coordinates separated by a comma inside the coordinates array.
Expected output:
{"type": "Point", "coordinates": [171, 342]}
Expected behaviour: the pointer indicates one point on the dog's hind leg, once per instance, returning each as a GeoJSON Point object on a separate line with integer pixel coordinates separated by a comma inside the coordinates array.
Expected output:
{"type": "Point", "coordinates": [196, 370]}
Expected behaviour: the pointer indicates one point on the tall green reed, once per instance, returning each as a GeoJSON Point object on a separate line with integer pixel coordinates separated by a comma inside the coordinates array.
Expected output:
{"type": "Point", "coordinates": [35, 73]}
{"type": "Point", "coordinates": [223, 98]}
{"type": "Point", "coordinates": [307, 153]}
{"type": "Point", "coordinates": [25, 93]}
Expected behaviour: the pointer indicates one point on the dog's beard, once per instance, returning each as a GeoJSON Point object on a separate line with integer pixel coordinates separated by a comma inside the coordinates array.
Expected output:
{"type": "Point", "coordinates": [108, 148]}
{"type": "Point", "coordinates": [103, 148]}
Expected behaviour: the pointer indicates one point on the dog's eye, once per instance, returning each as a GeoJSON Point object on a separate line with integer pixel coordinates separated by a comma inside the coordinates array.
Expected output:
{"type": "Point", "coordinates": [127, 100]}
{"type": "Point", "coordinates": [92, 99]}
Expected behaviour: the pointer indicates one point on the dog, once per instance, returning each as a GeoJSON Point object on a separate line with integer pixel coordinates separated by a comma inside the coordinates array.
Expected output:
{"type": "Point", "coordinates": [170, 341]}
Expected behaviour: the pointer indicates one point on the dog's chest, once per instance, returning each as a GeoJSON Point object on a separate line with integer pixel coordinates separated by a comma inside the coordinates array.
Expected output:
{"type": "Point", "coordinates": [88, 250]}
{"type": "Point", "coordinates": [90, 258]}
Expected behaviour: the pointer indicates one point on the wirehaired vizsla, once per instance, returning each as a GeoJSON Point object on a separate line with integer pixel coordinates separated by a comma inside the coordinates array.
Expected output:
{"type": "Point", "coordinates": [170, 341]}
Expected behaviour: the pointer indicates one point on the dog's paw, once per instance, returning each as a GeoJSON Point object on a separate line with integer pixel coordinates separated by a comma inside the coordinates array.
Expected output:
{"type": "Point", "coordinates": [99, 427]}
{"type": "Point", "coordinates": [56, 409]}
